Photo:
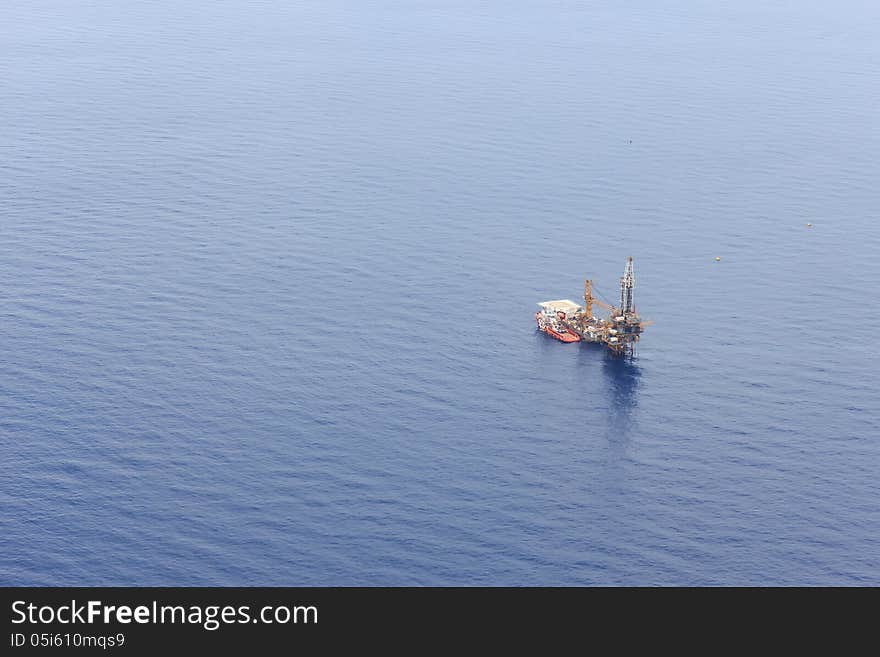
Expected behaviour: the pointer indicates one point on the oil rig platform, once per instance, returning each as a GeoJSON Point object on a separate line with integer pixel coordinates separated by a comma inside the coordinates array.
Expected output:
{"type": "Point", "coordinates": [569, 322]}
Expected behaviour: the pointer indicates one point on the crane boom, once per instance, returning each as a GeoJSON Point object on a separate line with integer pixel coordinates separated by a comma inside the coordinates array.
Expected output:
{"type": "Point", "coordinates": [590, 300]}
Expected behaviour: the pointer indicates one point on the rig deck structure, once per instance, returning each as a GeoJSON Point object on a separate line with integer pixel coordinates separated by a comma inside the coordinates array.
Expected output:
{"type": "Point", "coordinates": [569, 322]}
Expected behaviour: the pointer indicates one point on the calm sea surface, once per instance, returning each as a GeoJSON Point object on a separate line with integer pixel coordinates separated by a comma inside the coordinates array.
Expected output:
{"type": "Point", "coordinates": [267, 276]}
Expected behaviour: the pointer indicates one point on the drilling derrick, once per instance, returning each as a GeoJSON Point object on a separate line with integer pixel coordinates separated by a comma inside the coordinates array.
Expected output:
{"type": "Point", "coordinates": [627, 283]}
{"type": "Point", "coordinates": [626, 327]}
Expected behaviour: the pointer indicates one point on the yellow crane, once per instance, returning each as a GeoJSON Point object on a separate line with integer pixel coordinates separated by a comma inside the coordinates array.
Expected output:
{"type": "Point", "coordinates": [589, 299]}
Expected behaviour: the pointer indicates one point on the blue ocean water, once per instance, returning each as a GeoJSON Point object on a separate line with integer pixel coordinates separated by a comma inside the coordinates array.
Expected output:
{"type": "Point", "coordinates": [267, 276]}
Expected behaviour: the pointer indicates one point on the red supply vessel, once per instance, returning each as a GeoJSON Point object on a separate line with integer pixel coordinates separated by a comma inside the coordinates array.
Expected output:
{"type": "Point", "coordinates": [551, 319]}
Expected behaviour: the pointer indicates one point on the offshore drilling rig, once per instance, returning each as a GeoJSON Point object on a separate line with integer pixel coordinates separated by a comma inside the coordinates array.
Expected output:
{"type": "Point", "coordinates": [569, 322]}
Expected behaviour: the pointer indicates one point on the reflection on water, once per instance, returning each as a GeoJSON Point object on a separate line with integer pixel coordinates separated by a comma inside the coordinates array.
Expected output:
{"type": "Point", "coordinates": [622, 377]}
{"type": "Point", "coordinates": [620, 384]}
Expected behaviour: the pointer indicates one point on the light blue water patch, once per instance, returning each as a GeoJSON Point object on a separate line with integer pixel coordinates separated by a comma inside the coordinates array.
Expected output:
{"type": "Point", "coordinates": [267, 276]}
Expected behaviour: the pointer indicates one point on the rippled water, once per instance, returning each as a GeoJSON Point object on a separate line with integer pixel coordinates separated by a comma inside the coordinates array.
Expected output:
{"type": "Point", "coordinates": [267, 276]}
